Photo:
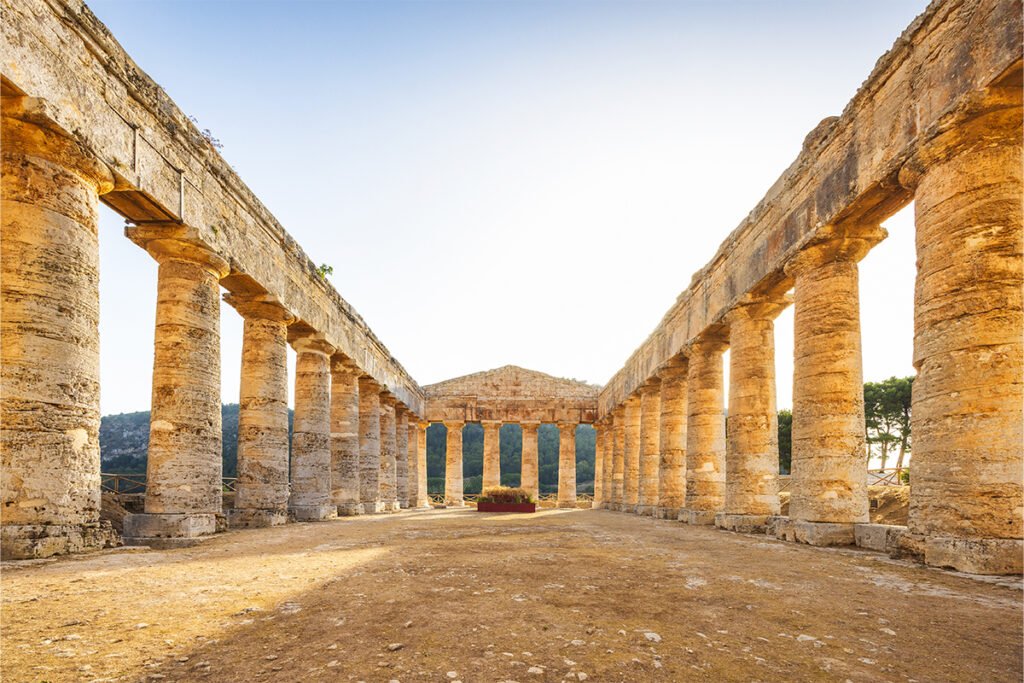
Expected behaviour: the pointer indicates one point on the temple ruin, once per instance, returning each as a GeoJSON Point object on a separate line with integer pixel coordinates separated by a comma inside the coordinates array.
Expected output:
{"type": "Point", "coordinates": [937, 122]}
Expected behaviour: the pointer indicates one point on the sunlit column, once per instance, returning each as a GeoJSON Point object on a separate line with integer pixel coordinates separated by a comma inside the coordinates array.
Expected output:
{"type": "Point", "coordinates": [705, 433]}
{"type": "Point", "coordinates": [345, 436]}
{"type": "Point", "coordinates": [311, 432]}
{"type": "Point", "coordinates": [529, 479]}
{"type": "Point", "coordinates": [650, 460]}
{"type": "Point", "coordinates": [672, 440]}
{"type": "Point", "coordinates": [453, 464]}
{"type": "Point", "coordinates": [402, 455]}
{"type": "Point", "coordinates": [618, 458]}
{"type": "Point", "coordinates": [369, 446]}
{"type": "Point", "coordinates": [567, 464]}
{"type": "Point", "coordinates": [631, 454]}
{"type": "Point", "coordinates": [492, 454]}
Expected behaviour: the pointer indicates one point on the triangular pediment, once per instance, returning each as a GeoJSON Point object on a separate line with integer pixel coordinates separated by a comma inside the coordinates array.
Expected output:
{"type": "Point", "coordinates": [512, 382]}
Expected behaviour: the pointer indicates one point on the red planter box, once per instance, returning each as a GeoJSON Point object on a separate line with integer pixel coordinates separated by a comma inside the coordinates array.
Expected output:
{"type": "Point", "coordinates": [506, 507]}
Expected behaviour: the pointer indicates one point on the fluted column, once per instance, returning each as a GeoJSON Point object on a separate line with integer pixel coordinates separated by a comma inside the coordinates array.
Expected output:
{"type": "Point", "coordinates": [530, 473]}
{"type": "Point", "coordinates": [966, 507]}
{"type": "Point", "coordinates": [261, 494]}
{"type": "Point", "coordinates": [567, 464]}
{"type": "Point", "coordinates": [672, 440]}
{"type": "Point", "coordinates": [345, 436]}
{"type": "Point", "coordinates": [311, 433]}
{"type": "Point", "coordinates": [492, 454]}
{"type": "Point", "coordinates": [599, 453]}
{"type": "Point", "coordinates": [631, 455]}
{"type": "Point", "coordinates": [402, 455]}
{"type": "Point", "coordinates": [369, 446]}
{"type": "Point", "coordinates": [422, 495]}
{"type": "Point", "coordinates": [183, 467]}
{"type": "Point", "coordinates": [608, 435]}
{"type": "Point", "coordinates": [388, 455]}
{"type": "Point", "coordinates": [752, 443]}
{"type": "Point", "coordinates": [650, 459]}
{"type": "Point", "coordinates": [705, 433]}
{"type": "Point", "coordinates": [829, 472]}
{"type": "Point", "coordinates": [618, 458]}
{"type": "Point", "coordinates": [453, 464]}
{"type": "Point", "coordinates": [49, 355]}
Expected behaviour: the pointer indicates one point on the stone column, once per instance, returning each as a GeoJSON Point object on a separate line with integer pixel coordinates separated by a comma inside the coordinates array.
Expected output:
{"type": "Point", "coordinates": [261, 494]}
{"type": "Point", "coordinates": [672, 440]}
{"type": "Point", "coordinates": [345, 436]}
{"type": "Point", "coordinates": [608, 466]}
{"type": "Point", "coordinates": [183, 468]}
{"type": "Point", "coordinates": [453, 464]}
{"type": "Point", "coordinates": [965, 496]}
{"type": "Point", "coordinates": [529, 478]}
{"type": "Point", "coordinates": [492, 454]}
{"type": "Point", "coordinates": [650, 459]}
{"type": "Point", "coordinates": [369, 446]}
{"type": "Point", "coordinates": [49, 355]}
{"type": "Point", "coordinates": [752, 443]}
{"type": "Point", "coordinates": [388, 454]}
{"type": "Point", "coordinates": [705, 433]}
{"type": "Point", "coordinates": [618, 458]}
{"type": "Point", "coordinates": [567, 464]}
{"type": "Point", "coordinates": [631, 455]}
{"type": "Point", "coordinates": [311, 434]}
{"type": "Point", "coordinates": [599, 447]}
{"type": "Point", "coordinates": [422, 495]}
{"type": "Point", "coordinates": [829, 472]}
{"type": "Point", "coordinates": [402, 455]}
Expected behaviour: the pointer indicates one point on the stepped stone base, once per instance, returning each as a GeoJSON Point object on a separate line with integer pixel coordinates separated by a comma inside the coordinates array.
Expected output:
{"type": "Point", "coordinates": [699, 517]}
{"type": "Point", "coordinates": [255, 519]}
{"type": "Point", "coordinates": [811, 533]}
{"type": "Point", "coordinates": [350, 509]}
{"type": "Point", "coordinates": [667, 513]}
{"type": "Point", "coordinates": [313, 513]}
{"type": "Point", "coordinates": [744, 524]}
{"type": "Point", "coordinates": [976, 555]}
{"type": "Point", "coordinates": [390, 506]}
{"type": "Point", "coordinates": [171, 530]}
{"type": "Point", "coordinates": [646, 510]}
{"type": "Point", "coordinates": [34, 541]}
{"type": "Point", "coordinates": [372, 508]}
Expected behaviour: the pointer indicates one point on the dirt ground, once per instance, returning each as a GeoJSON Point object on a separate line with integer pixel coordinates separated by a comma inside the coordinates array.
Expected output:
{"type": "Point", "coordinates": [456, 595]}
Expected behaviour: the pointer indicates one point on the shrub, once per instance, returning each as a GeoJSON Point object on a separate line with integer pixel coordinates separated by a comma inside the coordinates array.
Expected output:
{"type": "Point", "coordinates": [505, 494]}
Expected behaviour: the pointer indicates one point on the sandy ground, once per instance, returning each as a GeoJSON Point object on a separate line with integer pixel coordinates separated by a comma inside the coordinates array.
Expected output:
{"type": "Point", "coordinates": [455, 595]}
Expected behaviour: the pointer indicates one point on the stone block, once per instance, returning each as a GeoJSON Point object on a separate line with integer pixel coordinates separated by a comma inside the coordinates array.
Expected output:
{"type": "Point", "coordinates": [976, 556]}
{"type": "Point", "coordinates": [350, 509]}
{"type": "Point", "coordinates": [744, 524]}
{"type": "Point", "coordinates": [880, 537]}
{"type": "Point", "coordinates": [168, 530]}
{"type": "Point", "coordinates": [34, 541]}
{"type": "Point", "coordinates": [668, 513]}
{"type": "Point", "coordinates": [699, 517]}
{"type": "Point", "coordinates": [811, 533]}
{"type": "Point", "coordinates": [254, 519]}
{"type": "Point", "coordinates": [313, 513]}
{"type": "Point", "coordinates": [646, 510]}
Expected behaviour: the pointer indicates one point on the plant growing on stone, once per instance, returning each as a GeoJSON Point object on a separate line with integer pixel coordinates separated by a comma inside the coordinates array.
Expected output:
{"type": "Point", "coordinates": [323, 270]}
{"type": "Point", "coordinates": [505, 494]}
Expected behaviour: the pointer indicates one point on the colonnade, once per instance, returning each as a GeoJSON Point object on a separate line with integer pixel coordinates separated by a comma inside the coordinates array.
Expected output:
{"type": "Point", "coordinates": [529, 472]}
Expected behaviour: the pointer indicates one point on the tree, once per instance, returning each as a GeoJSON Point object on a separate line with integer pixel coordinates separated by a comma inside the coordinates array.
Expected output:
{"type": "Point", "coordinates": [887, 417]}
{"type": "Point", "coordinates": [785, 441]}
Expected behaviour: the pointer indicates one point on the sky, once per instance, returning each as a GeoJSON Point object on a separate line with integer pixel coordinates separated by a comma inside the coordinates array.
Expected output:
{"type": "Point", "coordinates": [505, 182]}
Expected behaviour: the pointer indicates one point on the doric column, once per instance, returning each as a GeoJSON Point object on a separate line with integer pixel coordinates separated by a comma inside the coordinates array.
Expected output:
{"type": "Point", "coordinates": [453, 464]}
{"type": "Point", "coordinates": [530, 473]}
{"type": "Point", "coordinates": [608, 435]}
{"type": "Point", "coordinates": [967, 469]}
{"type": "Point", "coordinates": [345, 436]}
{"type": "Point", "coordinates": [311, 433]}
{"type": "Point", "coordinates": [388, 454]}
{"type": "Point", "coordinates": [369, 446]}
{"type": "Point", "coordinates": [492, 454]}
{"type": "Point", "coordinates": [752, 442]}
{"type": "Point", "coordinates": [631, 455]}
{"type": "Point", "coordinates": [618, 458]}
{"type": "Point", "coordinates": [599, 452]}
{"type": "Point", "coordinates": [672, 440]}
{"type": "Point", "coordinates": [261, 494]}
{"type": "Point", "coordinates": [49, 355]}
{"type": "Point", "coordinates": [183, 468]}
{"type": "Point", "coordinates": [829, 473]}
{"type": "Point", "coordinates": [422, 495]}
{"type": "Point", "coordinates": [402, 455]}
{"type": "Point", "coordinates": [705, 433]}
{"type": "Point", "coordinates": [650, 460]}
{"type": "Point", "coordinates": [567, 464]}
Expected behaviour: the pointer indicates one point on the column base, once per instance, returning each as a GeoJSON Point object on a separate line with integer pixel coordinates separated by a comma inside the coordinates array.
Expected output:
{"type": "Point", "coordinates": [168, 530]}
{"type": "Point", "coordinates": [34, 541]}
{"type": "Point", "coordinates": [390, 506]}
{"type": "Point", "coordinates": [881, 537]}
{"type": "Point", "coordinates": [404, 504]}
{"type": "Point", "coordinates": [313, 513]}
{"type": "Point", "coordinates": [373, 507]}
{"type": "Point", "coordinates": [565, 504]}
{"type": "Point", "coordinates": [247, 518]}
{"type": "Point", "coordinates": [646, 510]}
{"type": "Point", "coordinates": [349, 509]}
{"type": "Point", "coordinates": [811, 533]}
{"type": "Point", "coordinates": [975, 555]}
{"type": "Point", "coordinates": [668, 513]}
{"type": "Point", "coordinates": [697, 517]}
{"type": "Point", "coordinates": [455, 503]}
{"type": "Point", "coordinates": [743, 524]}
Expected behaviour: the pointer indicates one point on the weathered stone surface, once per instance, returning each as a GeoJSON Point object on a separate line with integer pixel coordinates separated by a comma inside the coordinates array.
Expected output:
{"type": "Point", "coordinates": [529, 473]}
{"type": "Point", "coordinates": [752, 442]}
{"type": "Point", "coordinates": [811, 533]}
{"type": "Point", "coordinates": [453, 464]}
{"type": "Point", "coordinates": [402, 455]}
{"type": "Point", "coordinates": [881, 537]}
{"type": "Point", "coordinates": [388, 455]}
{"type": "Point", "coordinates": [618, 458]}
{"type": "Point", "coordinates": [311, 432]}
{"type": "Point", "coordinates": [369, 446]}
{"type": "Point", "coordinates": [345, 436]}
{"type": "Point", "coordinates": [600, 473]}
{"type": "Point", "coordinates": [650, 459]}
{"type": "Point", "coordinates": [744, 524]}
{"type": "Point", "coordinates": [631, 455]}
{"type": "Point", "coordinates": [566, 465]}
{"type": "Point", "coordinates": [49, 358]}
{"type": "Point", "coordinates": [492, 454]}
{"type": "Point", "coordinates": [422, 499]}
{"type": "Point", "coordinates": [672, 440]}
{"type": "Point", "coordinates": [705, 432]}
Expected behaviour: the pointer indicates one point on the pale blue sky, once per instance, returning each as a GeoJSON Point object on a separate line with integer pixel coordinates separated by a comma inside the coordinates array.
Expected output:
{"type": "Point", "coordinates": [506, 182]}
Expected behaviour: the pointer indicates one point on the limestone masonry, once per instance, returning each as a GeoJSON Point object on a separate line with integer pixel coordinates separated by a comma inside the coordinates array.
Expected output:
{"type": "Point", "coordinates": [937, 122]}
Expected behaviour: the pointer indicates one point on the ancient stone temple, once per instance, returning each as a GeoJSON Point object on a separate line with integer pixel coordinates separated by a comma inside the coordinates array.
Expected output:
{"type": "Point", "coordinates": [938, 122]}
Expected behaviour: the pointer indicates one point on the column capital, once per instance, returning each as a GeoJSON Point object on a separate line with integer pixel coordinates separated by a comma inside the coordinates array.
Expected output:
{"type": "Point", "coordinates": [651, 386]}
{"type": "Point", "coordinates": [454, 424]}
{"type": "Point", "coordinates": [260, 307]}
{"type": "Point", "coordinates": [712, 340]}
{"type": "Point", "coordinates": [758, 307]}
{"type": "Point", "coordinates": [529, 425]}
{"type": "Point", "coordinates": [563, 424]}
{"type": "Point", "coordinates": [423, 424]}
{"type": "Point", "coordinates": [491, 424]}
{"type": "Point", "coordinates": [313, 343]}
{"type": "Point", "coordinates": [388, 399]}
{"type": "Point", "coordinates": [177, 242]}
{"type": "Point", "coordinates": [675, 368]}
{"type": "Point", "coordinates": [342, 364]}
{"type": "Point", "coordinates": [836, 243]}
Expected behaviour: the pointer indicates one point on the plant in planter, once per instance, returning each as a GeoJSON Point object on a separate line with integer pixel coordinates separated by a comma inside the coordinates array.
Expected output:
{"type": "Point", "coordinates": [505, 499]}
